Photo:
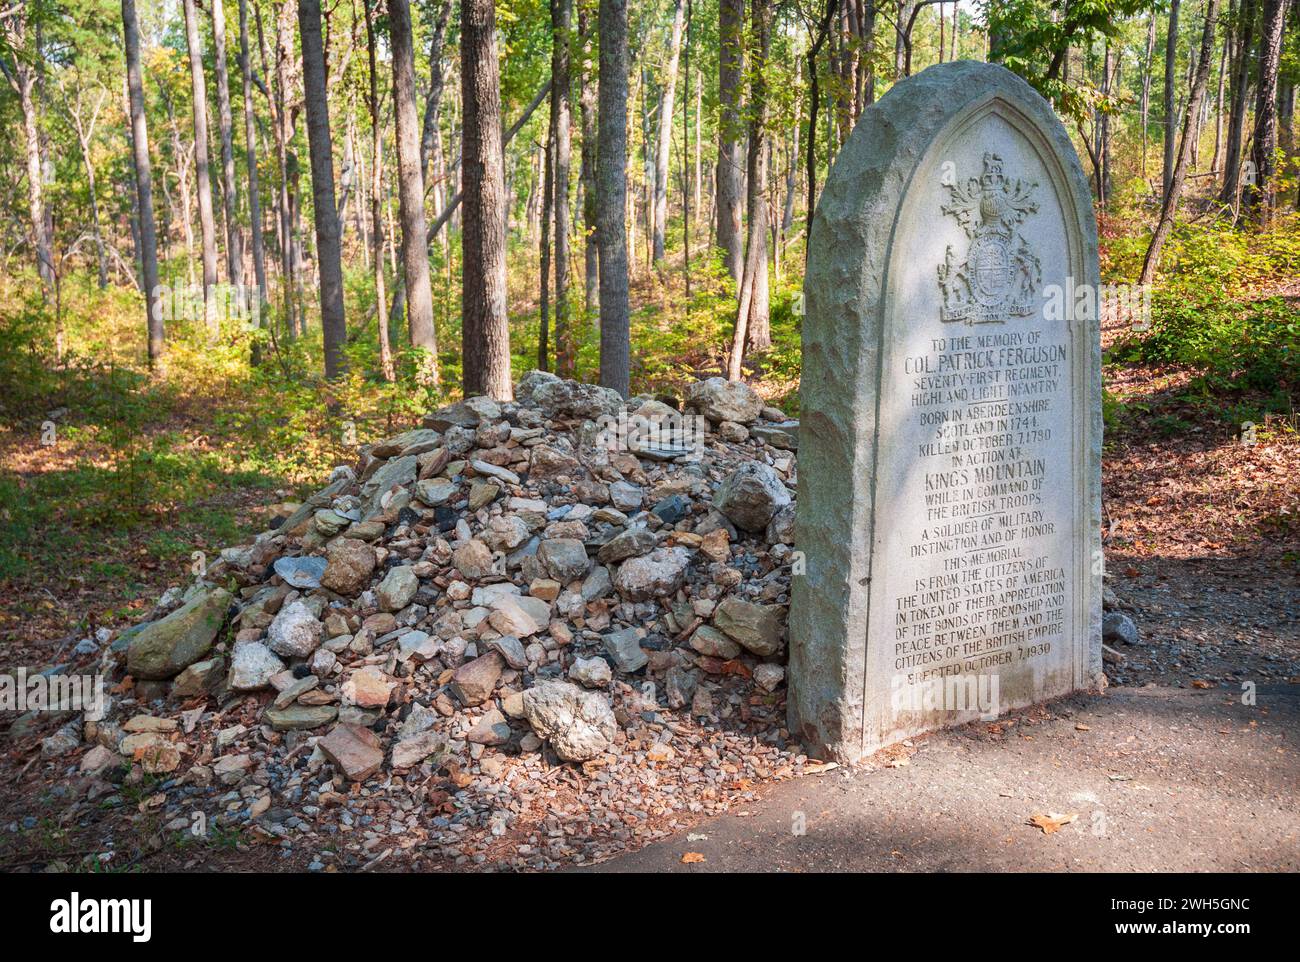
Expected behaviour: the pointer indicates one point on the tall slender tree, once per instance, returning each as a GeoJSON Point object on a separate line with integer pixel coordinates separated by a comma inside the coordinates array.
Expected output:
{"type": "Point", "coordinates": [225, 124]}
{"type": "Point", "coordinates": [377, 198]}
{"type": "Point", "coordinates": [250, 151]}
{"type": "Point", "coordinates": [1171, 113]}
{"type": "Point", "coordinates": [1169, 206]}
{"type": "Point", "coordinates": [203, 182]}
{"type": "Point", "coordinates": [1261, 193]}
{"type": "Point", "coordinates": [485, 331]}
{"type": "Point", "coordinates": [143, 182]}
{"type": "Point", "coordinates": [731, 131]}
{"type": "Point", "coordinates": [667, 100]}
{"type": "Point", "coordinates": [611, 199]}
{"type": "Point", "coordinates": [561, 120]}
{"type": "Point", "coordinates": [329, 264]}
{"type": "Point", "coordinates": [587, 171]}
{"type": "Point", "coordinates": [410, 190]}
{"type": "Point", "coordinates": [1244, 30]}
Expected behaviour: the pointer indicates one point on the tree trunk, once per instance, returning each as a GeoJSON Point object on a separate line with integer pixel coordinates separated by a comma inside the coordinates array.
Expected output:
{"type": "Point", "coordinates": [143, 183]}
{"type": "Point", "coordinates": [229, 195]}
{"type": "Point", "coordinates": [1245, 34]}
{"type": "Point", "coordinates": [485, 328]}
{"type": "Point", "coordinates": [666, 105]}
{"type": "Point", "coordinates": [1171, 114]}
{"type": "Point", "coordinates": [328, 260]}
{"type": "Point", "coordinates": [547, 199]}
{"type": "Point", "coordinates": [561, 120]}
{"type": "Point", "coordinates": [207, 225]}
{"type": "Point", "coordinates": [1170, 205]}
{"type": "Point", "coordinates": [731, 126]}
{"type": "Point", "coordinates": [410, 189]}
{"type": "Point", "coordinates": [1145, 109]}
{"type": "Point", "coordinates": [615, 346]}
{"type": "Point", "coordinates": [1261, 193]}
{"type": "Point", "coordinates": [587, 174]}
{"type": "Point", "coordinates": [377, 200]}
{"type": "Point", "coordinates": [250, 146]}
{"type": "Point", "coordinates": [759, 328]}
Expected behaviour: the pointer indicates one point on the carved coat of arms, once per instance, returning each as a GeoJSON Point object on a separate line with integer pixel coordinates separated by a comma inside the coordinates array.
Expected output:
{"type": "Point", "coordinates": [1000, 276]}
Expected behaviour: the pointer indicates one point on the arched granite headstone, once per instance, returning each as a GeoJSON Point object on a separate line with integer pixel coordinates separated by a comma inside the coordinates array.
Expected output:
{"type": "Point", "coordinates": [950, 440]}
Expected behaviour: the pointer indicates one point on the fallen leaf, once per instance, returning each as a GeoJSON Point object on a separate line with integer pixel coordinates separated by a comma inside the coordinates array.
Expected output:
{"type": "Point", "coordinates": [691, 858]}
{"type": "Point", "coordinates": [1052, 823]}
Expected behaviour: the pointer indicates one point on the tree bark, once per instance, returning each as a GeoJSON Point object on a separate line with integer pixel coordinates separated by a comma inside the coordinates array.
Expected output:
{"type": "Point", "coordinates": [377, 199]}
{"type": "Point", "coordinates": [615, 342]}
{"type": "Point", "coordinates": [207, 225]}
{"type": "Point", "coordinates": [666, 104]}
{"type": "Point", "coordinates": [485, 328]}
{"type": "Point", "coordinates": [143, 183]}
{"type": "Point", "coordinates": [1245, 34]}
{"type": "Point", "coordinates": [1171, 114]}
{"type": "Point", "coordinates": [328, 258]}
{"type": "Point", "coordinates": [250, 147]}
{"type": "Point", "coordinates": [731, 126]}
{"type": "Point", "coordinates": [1261, 193]}
{"type": "Point", "coordinates": [1170, 205]}
{"type": "Point", "coordinates": [759, 333]}
{"type": "Point", "coordinates": [229, 192]}
{"type": "Point", "coordinates": [410, 190]}
{"type": "Point", "coordinates": [561, 120]}
{"type": "Point", "coordinates": [587, 174]}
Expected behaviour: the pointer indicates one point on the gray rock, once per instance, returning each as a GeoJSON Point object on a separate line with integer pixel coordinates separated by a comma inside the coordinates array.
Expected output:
{"type": "Point", "coordinates": [655, 575]}
{"type": "Point", "coordinates": [1116, 626]}
{"type": "Point", "coordinates": [565, 559]}
{"type": "Point", "coordinates": [711, 642]}
{"type": "Point", "coordinates": [579, 724]}
{"type": "Point", "coordinates": [721, 400]}
{"type": "Point", "coordinates": [784, 436]}
{"type": "Point", "coordinates": [252, 665]}
{"type": "Point", "coordinates": [591, 672]}
{"type": "Point", "coordinates": [296, 632]}
{"type": "Point", "coordinates": [397, 588]}
{"type": "Point", "coordinates": [436, 491]}
{"type": "Point", "coordinates": [399, 471]}
{"type": "Point", "coordinates": [780, 530]}
{"type": "Point", "coordinates": [628, 544]}
{"type": "Point", "coordinates": [756, 627]}
{"type": "Point", "coordinates": [468, 413]}
{"type": "Point", "coordinates": [304, 572]}
{"type": "Point", "coordinates": [164, 648]}
{"type": "Point", "coordinates": [571, 399]}
{"type": "Point", "coordinates": [624, 649]}
{"type": "Point", "coordinates": [300, 717]}
{"type": "Point", "coordinates": [511, 649]}
{"type": "Point", "coordinates": [491, 729]}
{"type": "Point", "coordinates": [751, 495]}
{"type": "Point", "coordinates": [679, 686]}
{"type": "Point", "coordinates": [413, 749]}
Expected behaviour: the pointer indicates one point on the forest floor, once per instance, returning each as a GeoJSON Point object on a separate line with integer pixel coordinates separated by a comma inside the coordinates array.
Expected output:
{"type": "Point", "coordinates": [1202, 543]}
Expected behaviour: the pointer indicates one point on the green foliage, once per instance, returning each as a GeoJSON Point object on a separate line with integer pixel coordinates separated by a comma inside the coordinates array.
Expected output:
{"type": "Point", "coordinates": [1209, 315]}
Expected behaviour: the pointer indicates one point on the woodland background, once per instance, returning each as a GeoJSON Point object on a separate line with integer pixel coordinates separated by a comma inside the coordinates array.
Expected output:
{"type": "Point", "coordinates": [428, 199]}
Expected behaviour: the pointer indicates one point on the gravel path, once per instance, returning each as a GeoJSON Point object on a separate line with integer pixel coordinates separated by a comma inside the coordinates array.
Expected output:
{"type": "Point", "coordinates": [1160, 779]}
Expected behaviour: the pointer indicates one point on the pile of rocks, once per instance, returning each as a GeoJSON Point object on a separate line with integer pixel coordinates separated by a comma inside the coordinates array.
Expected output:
{"type": "Point", "coordinates": [496, 626]}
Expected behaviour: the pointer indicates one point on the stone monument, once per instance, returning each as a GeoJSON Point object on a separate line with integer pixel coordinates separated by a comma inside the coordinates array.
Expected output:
{"type": "Point", "coordinates": [949, 503]}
